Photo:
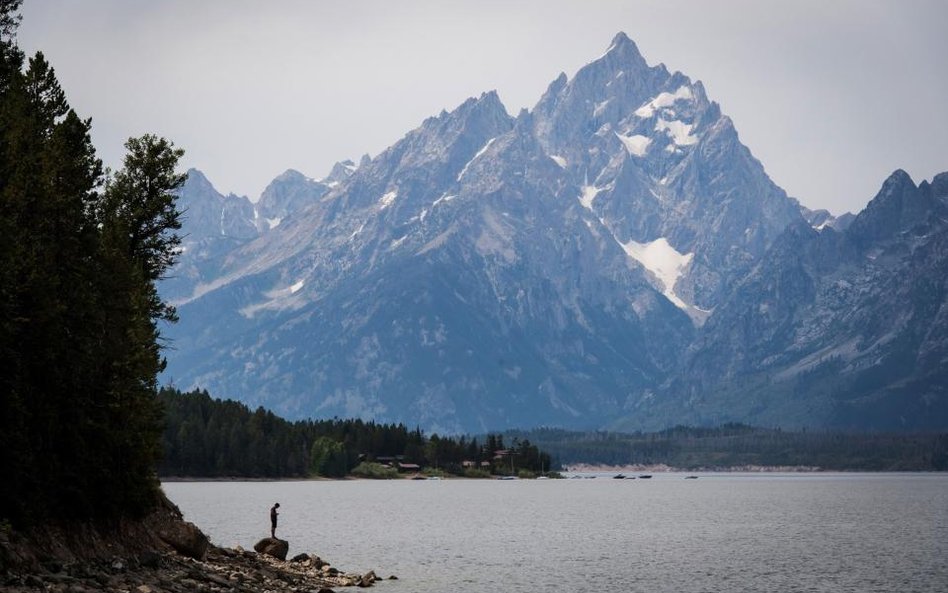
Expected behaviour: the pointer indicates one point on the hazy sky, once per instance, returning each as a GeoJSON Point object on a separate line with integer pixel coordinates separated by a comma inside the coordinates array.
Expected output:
{"type": "Point", "coordinates": [831, 95]}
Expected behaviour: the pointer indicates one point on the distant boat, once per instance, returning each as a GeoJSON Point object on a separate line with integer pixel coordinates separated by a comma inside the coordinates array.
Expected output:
{"type": "Point", "coordinates": [619, 476]}
{"type": "Point", "coordinates": [691, 477]}
{"type": "Point", "coordinates": [507, 478]}
{"type": "Point", "coordinates": [543, 477]}
{"type": "Point", "coordinates": [645, 476]}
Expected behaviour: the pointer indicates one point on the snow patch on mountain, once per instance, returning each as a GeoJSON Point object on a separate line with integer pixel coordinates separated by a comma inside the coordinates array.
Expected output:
{"type": "Point", "coordinates": [679, 131]}
{"type": "Point", "coordinates": [445, 198]}
{"type": "Point", "coordinates": [636, 145]}
{"type": "Point", "coordinates": [663, 100]}
{"type": "Point", "coordinates": [386, 200]}
{"type": "Point", "coordinates": [397, 242]}
{"type": "Point", "coordinates": [475, 157]}
{"type": "Point", "coordinates": [277, 300]}
{"type": "Point", "coordinates": [665, 263]}
{"type": "Point", "coordinates": [589, 194]}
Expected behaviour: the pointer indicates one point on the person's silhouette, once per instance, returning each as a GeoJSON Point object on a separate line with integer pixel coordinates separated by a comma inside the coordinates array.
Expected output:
{"type": "Point", "coordinates": [273, 519]}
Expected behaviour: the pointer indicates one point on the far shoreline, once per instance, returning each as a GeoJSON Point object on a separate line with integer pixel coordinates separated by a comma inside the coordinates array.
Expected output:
{"type": "Point", "coordinates": [574, 469]}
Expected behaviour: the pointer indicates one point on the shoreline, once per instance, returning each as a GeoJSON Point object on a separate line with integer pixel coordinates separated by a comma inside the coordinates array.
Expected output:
{"type": "Point", "coordinates": [159, 553]}
{"type": "Point", "coordinates": [660, 468]}
{"type": "Point", "coordinates": [222, 569]}
{"type": "Point", "coordinates": [580, 468]}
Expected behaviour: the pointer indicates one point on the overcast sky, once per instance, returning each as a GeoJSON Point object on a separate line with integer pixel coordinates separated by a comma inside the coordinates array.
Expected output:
{"type": "Point", "coordinates": [831, 96]}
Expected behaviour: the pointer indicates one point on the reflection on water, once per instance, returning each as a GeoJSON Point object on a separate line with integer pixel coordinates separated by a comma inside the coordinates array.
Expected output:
{"type": "Point", "coordinates": [722, 532]}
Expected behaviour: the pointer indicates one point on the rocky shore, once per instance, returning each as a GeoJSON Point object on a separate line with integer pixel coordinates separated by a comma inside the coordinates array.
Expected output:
{"type": "Point", "coordinates": [222, 570]}
{"type": "Point", "coordinates": [158, 554]}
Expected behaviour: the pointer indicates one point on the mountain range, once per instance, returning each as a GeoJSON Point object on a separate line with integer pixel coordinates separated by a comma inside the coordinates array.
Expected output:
{"type": "Point", "coordinates": [614, 258]}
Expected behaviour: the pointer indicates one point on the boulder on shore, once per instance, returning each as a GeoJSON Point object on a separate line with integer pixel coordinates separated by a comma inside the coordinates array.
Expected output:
{"type": "Point", "coordinates": [185, 538]}
{"type": "Point", "coordinates": [272, 546]}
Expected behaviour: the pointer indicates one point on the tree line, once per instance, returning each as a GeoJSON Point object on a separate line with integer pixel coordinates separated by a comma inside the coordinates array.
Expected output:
{"type": "Point", "coordinates": [207, 437]}
{"type": "Point", "coordinates": [81, 249]}
{"type": "Point", "coordinates": [739, 445]}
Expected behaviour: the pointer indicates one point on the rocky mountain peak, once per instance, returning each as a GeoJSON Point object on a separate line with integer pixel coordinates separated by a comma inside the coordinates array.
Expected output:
{"type": "Point", "coordinates": [340, 172]}
{"type": "Point", "coordinates": [899, 206]}
{"type": "Point", "coordinates": [487, 109]}
{"type": "Point", "coordinates": [289, 192]}
{"type": "Point", "coordinates": [197, 181]}
{"type": "Point", "coordinates": [290, 175]}
{"type": "Point", "coordinates": [624, 53]}
{"type": "Point", "coordinates": [207, 213]}
{"type": "Point", "coordinates": [939, 186]}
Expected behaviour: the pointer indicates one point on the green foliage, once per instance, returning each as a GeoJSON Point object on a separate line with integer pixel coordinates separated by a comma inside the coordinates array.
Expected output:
{"type": "Point", "coordinates": [206, 437]}
{"type": "Point", "coordinates": [9, 19]}
{"type": "Point", "coordinates": [328, 458]}
{"type": "Point", "coordinates": [79, 422]}
{"type": "Point", "coordinates": [374, 471]}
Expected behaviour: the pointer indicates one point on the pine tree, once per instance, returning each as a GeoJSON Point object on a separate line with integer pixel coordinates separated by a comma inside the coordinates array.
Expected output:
{"type": "Point", "coordinates": [80, 424]}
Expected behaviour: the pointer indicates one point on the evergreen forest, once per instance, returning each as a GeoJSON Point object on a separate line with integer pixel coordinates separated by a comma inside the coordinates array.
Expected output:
{"type": "Point", "coordinates": [206, 437]}
{"type": "Point", "coordinates": [81, 250]}
{"type": "Point", "coordinates": [213, 438]}
{"type": "Point", "coordinates": [734, 446]}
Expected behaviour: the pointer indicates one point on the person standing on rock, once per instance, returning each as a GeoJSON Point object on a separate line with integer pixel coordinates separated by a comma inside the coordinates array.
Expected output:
{"type": "Point", "coordinates": [273, 519]}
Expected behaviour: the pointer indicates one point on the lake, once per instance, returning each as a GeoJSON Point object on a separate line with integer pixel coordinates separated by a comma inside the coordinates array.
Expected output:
{"type": "Point", "coordinates": [721, 532]}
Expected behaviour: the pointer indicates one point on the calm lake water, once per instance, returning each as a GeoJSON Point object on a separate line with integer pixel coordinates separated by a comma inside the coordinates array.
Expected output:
{"type": "Point", "coordinates": [721, 532]}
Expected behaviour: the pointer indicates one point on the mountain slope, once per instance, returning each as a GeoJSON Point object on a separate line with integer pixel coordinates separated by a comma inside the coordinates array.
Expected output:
{"type": "Point", "coordinates": [839, 329]}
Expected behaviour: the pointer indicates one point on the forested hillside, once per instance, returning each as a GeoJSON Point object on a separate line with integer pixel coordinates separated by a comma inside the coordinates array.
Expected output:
{"type": "Point", "coordinates": [80, 252]}
{"type": "Point", "coordinates": [206, 437]}
{"type": "Point", "coordinates": [739, 445]}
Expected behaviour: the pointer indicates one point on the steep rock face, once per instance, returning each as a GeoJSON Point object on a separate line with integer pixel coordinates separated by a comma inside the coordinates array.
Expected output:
{"type": "Point", "coordinates": [212, 226]}
{"type": "Point", "coordinates": [656, 160]}
{"type": "Point", "coordinates": [842, 329]}
{"type": "Point", "coordinates": [820, 219]}
{"type": "Point", "coordinates": [208, 214]}
{"type": "Point", "coordinates": [288, 193]}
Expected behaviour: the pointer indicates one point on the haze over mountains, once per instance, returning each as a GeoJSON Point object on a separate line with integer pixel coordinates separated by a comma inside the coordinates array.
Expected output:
{"type": "Point", "coordinates": [614, 257]}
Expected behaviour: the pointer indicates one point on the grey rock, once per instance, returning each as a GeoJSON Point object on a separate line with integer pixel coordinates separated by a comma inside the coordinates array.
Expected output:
{"type": "Point", "coordinates": [287, 194]}
{"type": "Point", "coordinates": [272, 546]}
{"type": "Point", "coordinates": [185, 538]}
{"type": "Point", "coordinates": [149, 559]}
